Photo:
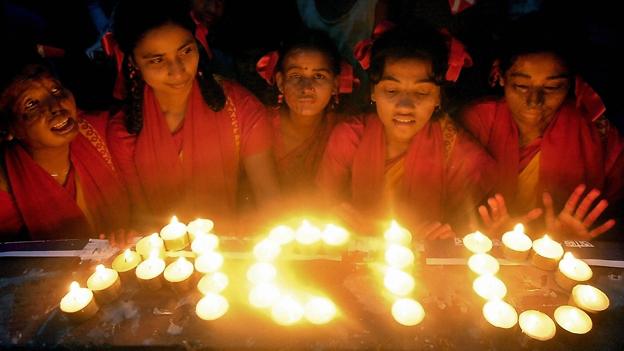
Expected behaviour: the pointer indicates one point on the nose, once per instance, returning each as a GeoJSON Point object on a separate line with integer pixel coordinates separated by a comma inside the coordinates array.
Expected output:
{"type": "Point", "coordinates": [176, 68]}
{"type": "Point", "coordinates": [306, 84]}
{"type": "Point", "coordinates": [535, 97]}
{"type": "Point", "coordinates": [55, 104]}
{"type": "Point", "coordinates": [405, 101]}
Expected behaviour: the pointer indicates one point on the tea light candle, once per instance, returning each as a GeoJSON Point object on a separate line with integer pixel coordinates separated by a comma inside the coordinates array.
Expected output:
{"type": "Point", "coordinates": [500, 314]}
{"type": "Point", "coordinates": [266, 250]}
{"type": "Point", "coordinates": [483, 264]}
{"type": "Point", "coordinates": [573, 319]}
{"type": "Point", "coordinates": [334, 236]}
{"type": "Point", "coordinates": [398, 256]}
{"type": "Point", "coordinates": [209, 262]}
{"type": "Point", "coordinates": [489, 287]}
{"type": "Point", "coordinates": [407, 312]}
{"type": "Point", "coordinates": [264, 295]}
{"type": "Point", "coordinates": [174, 235]}
{"type": "Point", "coordinates": [199, 226]}
{"type": "Point", "coordinates": [179, 274]}
{"type": "Point", "coordinates": [287, 311]}
{"type": "Point", "coordinates": [516, 244]}
{"type": "Point", "coordinates": [203, 243]}
{"type": "Point", "coordinates": [261, 272]}
{"type": "Point", "coordinates": [546, 253]}
{"type": "Point", "coordinates": [572, 271]}
{"type": "Point", "coordinates": [477, 242]}
{"type": "Point", "coordinates": [398, 235]}
{"type": "Point", "coordinates": [105, 284]}
{"type": "Point", "coordinates": [212, 306]}
{"type": "Point", "coordinates": [149, 272]}
{"type": "Point", "coordinates": [125, 262]}
{"type": "Point", "coordinates": [282, 235]}
{"type": "Point", "coordinates": [537, 325]}
{"type": "Point", "coordinates": [589, 298]}
{"type": "Point", "coordinates": [148, 244]}
{"type": "Point", "coordinates": [319, 310]}
{"type": "Point", "coordinates": [398, 282]}
{"type": "Point", "coordinates": [213, 282]}
{"type": "Point", "coordinates": [307, 234]}
{"type": "Point", "coordinates": [78, 304]}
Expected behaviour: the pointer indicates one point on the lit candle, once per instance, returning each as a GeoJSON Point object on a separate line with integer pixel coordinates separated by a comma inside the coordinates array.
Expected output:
{"type": "Point", "coordinates": [174, 235]}
{"type": "Point", "coordinates": [126, 262]}
{"type": "Point", "coordinates": [209, 262]}
{"type": "Point", "coordinates": [589, 298]}
{"type": "Point", "coordinates": [572, 271]}
{"type": "Point", "coordinates": [149, 272]}
{"type": "Point", "coordinates": [408, 312]}
{"type": "Point", "coordinates": [199, 226]}
{"type": "Point", "coordinates": [211, 306]}
{"type": "Point", "coordinates": [500, 314]}
{"type": "Point", "coordinates": [203, 243]}
{"type": "Point", "coordinates": [477, 242]}
{"type": "Point", "coordinates": [516, 244]}
{"type": "Point", "coordinates": [398, 256]}
{"type": "Point", "coordinates": [105, 284]}
{"type": "Point", "coordinates": [398, 282]}
{"type": "Point", "coordinates": [335, 236]}
{"type": "Point", "coordinates": [307, 234]}
{"type": "Point", "coordinates": [148, 244]}
{"type": "Point", "coordinates": [573, 319]}
{"type": "Point", "coordinates": [261, 272]}
{"type": "Point", "coordinates": [287, 311]}
{"type": "Point", "coordinates": [483, 264]}
{"type": "Point", "coordinates": [213, 282]}
{"type": "Point", "coordinates": [179, 273]}
{"type": "Point", "coordinates": [282, 235]}
{"type": "Point", "coordinates": [266, 250]}
{"type": "Point", "coordinates": [264, 295]}
{"type": "Point", "coordinates": [78, 304]}
{"type": "Point", "coordinates": [319, 310]}
{"type": "Point", "coordinates": [398, 235]}
{"type": "Point", "coordinates": [489, 287]}
{"type": "Point", "coordinates": [537, 325]}
{"type": "Point", "coordinates": [546, 253]}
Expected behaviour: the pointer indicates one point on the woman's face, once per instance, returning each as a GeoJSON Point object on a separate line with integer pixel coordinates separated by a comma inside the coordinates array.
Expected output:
{"type": "Point", "coordinates": [406, 97]}
{"type": "Point", "coordinates": [307, 82]}
{"type": "Point", "coordinates": [536, 85]}
{"type": "Point", "coordinates": [167, 59]}
{"type": "Point", "coordinates": [45, 114]}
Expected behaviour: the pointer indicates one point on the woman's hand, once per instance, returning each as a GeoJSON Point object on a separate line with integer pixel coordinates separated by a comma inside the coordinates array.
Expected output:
{"type": "Point", "coordinates": [120, 238]}
{"type": "Point", "coordinates": [437, 230]}
{"type": "Point", "coordinates": [497, 220]}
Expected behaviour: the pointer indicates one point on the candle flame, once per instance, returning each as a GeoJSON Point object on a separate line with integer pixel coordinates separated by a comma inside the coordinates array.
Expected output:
{"type": "Point", "coordinates": [154, 239]}
{"type": "Point", "coordinates": [394, 224]}
{"type": "Point", "coordinates": [74, 286]}
{"type": "Point", "coordinates": [174, 219]}
{"type": "Point", "coordinates": [546, 237]}
{"type": "Point", "coordinates": [99, 268]}
{"type": "Point", "coordinates": [153, 254]}
{"type": "Point", "coordinates": [519, 228]}
{"type": "Point", "coordinates": [568, 256]}
{"type": "Point", "coordinates": [127, 255]}
{"type": "Point", "coordinates": [181, 260]}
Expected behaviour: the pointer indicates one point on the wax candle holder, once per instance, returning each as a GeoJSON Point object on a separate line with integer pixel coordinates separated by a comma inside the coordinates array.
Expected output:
{"type": "Point", "coordinates": [125, 263]}
{"type": "Point", "coordinates": [105, 285]}
{"type": "Point", "coordinates": [79, 304]}
{"type": "Point", "coordinates": [546, 253]}
{"type": "Point", "coordinates": [179, 275]}
{"type": "Point", "coordinates": [588, 298]}
{"type": "Point", "coordinates": [174, 235]}
{"type": "Point", "coordinates": [149, 273]}
{"type": "Point", "coordinates": [572, 271]}
{"type": "Point", "coordinates": [516, 244]}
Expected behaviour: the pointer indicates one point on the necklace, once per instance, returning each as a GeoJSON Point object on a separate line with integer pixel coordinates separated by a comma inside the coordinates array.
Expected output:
{"type": "Point", "coordinates": [56, 175]}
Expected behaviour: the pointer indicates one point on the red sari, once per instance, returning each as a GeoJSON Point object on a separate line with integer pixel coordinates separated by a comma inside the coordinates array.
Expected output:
{"type": "Point", "coordinates": [193, 172]}
{"type": "Point", "coordinates": [93, 200]}
{"type": "Point", "coordinates": [446, 173]}
{"type": "Point", "coordinates": [572, 151]}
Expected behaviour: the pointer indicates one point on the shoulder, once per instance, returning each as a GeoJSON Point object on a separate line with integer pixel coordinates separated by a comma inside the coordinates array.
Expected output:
{"type": "Point", "coordinates": [96, 120]}
{"type": "Point", "coordinates": [482, 109]}
{"type": "Point", "coordinates": [350, 128]}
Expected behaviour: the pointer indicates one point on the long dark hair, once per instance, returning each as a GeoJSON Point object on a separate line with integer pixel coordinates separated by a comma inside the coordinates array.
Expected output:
{"type": "Point", "coordinates": [308, 39]}
{"type": "Point", "coordinates": [131, 21]}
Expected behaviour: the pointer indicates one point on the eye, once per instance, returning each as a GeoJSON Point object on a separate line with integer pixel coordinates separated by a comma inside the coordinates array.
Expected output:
{"type": "Point", "coordinates": [422, 93]}
{"type": "Point", "coordinates": [187, 50]}
{"type": "Point", "coordinates": [56, 91]}
{"type": "Point", "coordinates": [155, 60]}
{"type": "Point", "coordinates": [553, 88]}
{"type": "Point", "coordinates": [31, 104]}
{"type": "Point", "coordinates": [521, 87]}
{"type": "Point", "coordinates": [319, 76]}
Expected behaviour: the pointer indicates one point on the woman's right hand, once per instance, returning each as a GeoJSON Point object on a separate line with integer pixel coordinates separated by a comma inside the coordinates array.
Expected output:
{"type": "Point", "coordinates": [497, 220]}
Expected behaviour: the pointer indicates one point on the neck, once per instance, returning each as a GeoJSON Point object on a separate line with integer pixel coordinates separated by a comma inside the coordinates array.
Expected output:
{"type": "Point", "coordinates": [173, 107]}
{"type": "Point", "coordinates": [528, 131]}
{"type": "Point", "coordinates": [395, 148]}
{"type": "Point", "coordinates": [302, 126]}
{"type": "Point", "coordinates": [55, 161]}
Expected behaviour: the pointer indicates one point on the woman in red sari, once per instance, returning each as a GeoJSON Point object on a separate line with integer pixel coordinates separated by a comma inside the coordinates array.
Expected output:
{"type": "Point", "coordinates": [408, 159]}
{"type": "Point", "coordinates": [185, 135]}
{"type": "Point", "coordinates": [549, 151]}
{"type": "Point", "coordinates": [57, 179]}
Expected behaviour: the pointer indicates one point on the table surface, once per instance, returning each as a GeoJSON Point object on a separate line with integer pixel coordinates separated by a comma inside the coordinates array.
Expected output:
{"type": "Point", "coordinates": [31, 288]}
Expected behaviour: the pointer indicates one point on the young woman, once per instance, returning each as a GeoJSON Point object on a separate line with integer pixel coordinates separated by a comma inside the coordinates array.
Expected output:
{"type": "Point", "coordinates": [408, 159]}
{"type": "Point", "coordinates": [185, 135]}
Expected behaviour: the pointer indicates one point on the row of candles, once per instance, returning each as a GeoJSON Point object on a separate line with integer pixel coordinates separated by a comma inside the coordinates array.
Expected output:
{"type": "Point", "coordinates": [547, 255]}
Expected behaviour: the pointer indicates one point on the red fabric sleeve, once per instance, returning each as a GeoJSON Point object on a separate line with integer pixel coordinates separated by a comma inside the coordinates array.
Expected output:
{"type": "Point", "coordinates": [10, 219]}
{"type": "Point", "coordinates": [478, 119]}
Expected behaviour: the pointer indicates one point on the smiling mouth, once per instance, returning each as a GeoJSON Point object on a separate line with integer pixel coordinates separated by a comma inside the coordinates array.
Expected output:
{"type": "Point", "coordinates": [64, 126]}
{"type": "Point", "coordinates": [403, 120]}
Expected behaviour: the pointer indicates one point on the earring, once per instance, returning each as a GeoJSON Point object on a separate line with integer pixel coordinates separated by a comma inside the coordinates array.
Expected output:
{"type": "Point", "coordinates": [280, 99]}
{"type": "Point", "coordinates": [336, 99]}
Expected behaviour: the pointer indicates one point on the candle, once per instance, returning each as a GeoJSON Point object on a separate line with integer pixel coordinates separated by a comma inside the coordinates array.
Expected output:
{"type": "Point", "coordinates": [489, 287]}
{"type": "Point", "coordinates": [398, 282]}
{"type": "Point", "coordinates": [334, 236]}
{"type": "Point", "coordinates": [78, 304]}
{"type": "Point", "coordinates": [209, 262]}
{"type": "Point", "coordinates": [282, 235]}
{"type": "Point", "coordinates": [203, 243]}
{"type": "Point", "coordinates": [537, 325]}
{"type": "Point", "coordinates": [149, 272]}
{"type": "Point", "coordinates": [573, 319]}
{"type": "Point", "coordinates": [477, 242]}
{"type": "Point", "coordinates": [307, 234]}
{"type": "Point", "coordinates": [589, 298]}
{"type": "Point", "coordinates": [287, 311]}
{"type": "Point", "coordinates": [546, 253]}
{"type": "Point", "coordinates": [149, 244]}
{"type": "Point", "coordinates": [105, 284]}
{"type": "Point", "coordinates": [264, 295]}
{"type": "Point", "coordinates": [398, 256]}
{"type": "Point", "coordinates": [174, 235]}
{"type": "Point", "coordinates": [500, 314]}
{"type": "Point", "coordinates": [398, 235]}
{"type": "Point", "coordinates": [516, 244]}
{"type": "Point", "coordinates": [408, 312]}
{"type": "Point", "coordinates": [199, 226]}
{"type": "Point", "coordinates": [211, 306]}
{"type": "Point", "coordinates": [126, 262]}
{"type": "Point", "coordinates": [261, 272]}
{"type": "Point", "coordinates": [572, 271]}
{"type": "Point", "coordinates": [483, 264]}
{"type": "Point", "coordinates": [319, 310]}
{"type": "Point", "coordinates": [266, 250]}
{"type": "Point", "coordinates": [179, 274]}
{"type": "Point", "coordinates": [213, 282]}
